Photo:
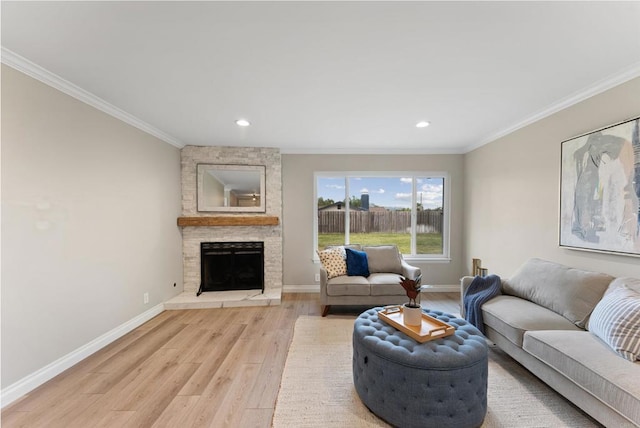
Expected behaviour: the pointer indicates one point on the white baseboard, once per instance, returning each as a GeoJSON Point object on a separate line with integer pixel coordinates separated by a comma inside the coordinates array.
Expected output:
{"type": "Point", "coordinates": [37, 378]}
{"type": "Point", "coordinates": [301, 288]}
{"type": "Point", "coordinates": [442, 289]}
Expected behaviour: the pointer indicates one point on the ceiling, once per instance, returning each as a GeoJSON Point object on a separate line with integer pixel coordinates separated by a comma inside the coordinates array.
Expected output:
{"type": "Point", "coordinates": [327, 77]}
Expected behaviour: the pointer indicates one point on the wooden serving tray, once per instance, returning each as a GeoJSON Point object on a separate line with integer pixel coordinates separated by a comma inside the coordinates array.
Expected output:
{"type": "Point", "coordinates": [430, 329]}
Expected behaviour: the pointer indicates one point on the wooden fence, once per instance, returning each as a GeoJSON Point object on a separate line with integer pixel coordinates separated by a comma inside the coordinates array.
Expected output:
{"type": "Point", "coordinates": [429, 221]}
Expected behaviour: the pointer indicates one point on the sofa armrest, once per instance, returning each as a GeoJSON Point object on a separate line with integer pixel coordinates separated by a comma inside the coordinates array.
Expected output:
{"type": "Point", "coordinates": [408, 271]}
{"type": "Point", "coordinates": [465, 282]}
{"type": "Point", "coordinates": [323, 285]}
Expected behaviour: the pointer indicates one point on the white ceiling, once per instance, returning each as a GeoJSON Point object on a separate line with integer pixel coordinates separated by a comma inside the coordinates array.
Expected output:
{"type": "Point", "coordinates": [327, 77]}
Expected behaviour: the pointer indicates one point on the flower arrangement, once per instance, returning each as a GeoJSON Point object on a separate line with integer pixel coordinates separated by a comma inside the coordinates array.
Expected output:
{"type": "Point", "coordinates": [412, 287]}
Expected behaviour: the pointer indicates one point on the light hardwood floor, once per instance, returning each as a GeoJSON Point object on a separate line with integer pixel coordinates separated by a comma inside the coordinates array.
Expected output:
{"type": "Point", "coordinates": [184, 368]}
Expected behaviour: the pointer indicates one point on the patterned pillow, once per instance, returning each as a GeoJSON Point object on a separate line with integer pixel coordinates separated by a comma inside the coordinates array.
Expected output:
{"type": "Point", "coordinates": [333, 261]}
{"type": "Point", "coordinates": [616, 320]}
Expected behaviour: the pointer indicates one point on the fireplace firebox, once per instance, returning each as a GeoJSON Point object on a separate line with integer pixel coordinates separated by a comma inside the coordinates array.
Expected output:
{"type": "Point", "coordinates": [228, 266]}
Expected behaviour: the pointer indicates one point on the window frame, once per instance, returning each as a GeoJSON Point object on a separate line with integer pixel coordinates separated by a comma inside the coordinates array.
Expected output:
{"type": "Point", "coordinates": [445, 256]}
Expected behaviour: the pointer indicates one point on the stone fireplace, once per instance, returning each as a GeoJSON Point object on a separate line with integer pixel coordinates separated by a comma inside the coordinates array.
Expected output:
{"type": "Point", "coordinates": [230, 227]}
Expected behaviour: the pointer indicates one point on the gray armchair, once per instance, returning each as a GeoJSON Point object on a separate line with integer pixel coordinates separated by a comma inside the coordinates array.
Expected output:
{"type": "Point", "coordinates": [381, 287]}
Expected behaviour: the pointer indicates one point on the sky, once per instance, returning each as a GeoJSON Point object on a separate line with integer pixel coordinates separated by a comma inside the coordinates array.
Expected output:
{"type": "Point", "coordinates": [388, 192]}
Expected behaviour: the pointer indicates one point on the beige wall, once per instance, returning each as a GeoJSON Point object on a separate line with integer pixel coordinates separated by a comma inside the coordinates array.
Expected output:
{"type": "Point", "coordinates": [512, 189]}
{"type": "Point", "coordinates": [298, 190]}
{"type": "Point", "coordinates": [89, 209]}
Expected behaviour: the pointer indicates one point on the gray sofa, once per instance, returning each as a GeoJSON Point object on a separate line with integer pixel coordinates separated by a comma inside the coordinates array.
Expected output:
{"type": "Point", "coordinates": [381, 287]}
{"type": "Point", "coordinates": [542, 321]}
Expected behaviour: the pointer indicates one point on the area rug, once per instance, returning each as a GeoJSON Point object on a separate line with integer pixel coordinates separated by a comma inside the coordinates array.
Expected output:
{"type": "Point", "coordinates": [317, 386]}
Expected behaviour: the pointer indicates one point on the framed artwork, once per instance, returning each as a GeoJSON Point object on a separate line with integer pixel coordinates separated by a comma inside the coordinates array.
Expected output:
{"type": "Point", "coordinates": [600, 190]}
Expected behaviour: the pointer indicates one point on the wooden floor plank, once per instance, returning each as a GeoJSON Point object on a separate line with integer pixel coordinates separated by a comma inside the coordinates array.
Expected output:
{"type": "Point", "coordinates": [230, 411]}
{"type": "Point", "coordinates": [157, 320]}
{"type": "Point", "coordinates": [183, 340]}
{"type": "Point", "coordinates": [114, 418]}
{"type": "Point", "coordinates": [128, 393]}
{"type": "Point", "coordinates": [267, 384]}
{"type": "Point", "coordinates": [148, 377]}
{"type": "Point", "coordinates": [15, 418]}
{"type": "Point", "coordinates": [250, 350]}
{"type": "Point", "coordinates": [64, 413]}
{"type": "Point", "coordinates": [208, 368]}
{"type": "Point", "coordinates": [203, 346]}
{"type": "Point", "coordinates": [152, 405]}
{"type": "Point", "coordinates": [177, 411]}
{"type": "Point", "coordinates": [137, 352]}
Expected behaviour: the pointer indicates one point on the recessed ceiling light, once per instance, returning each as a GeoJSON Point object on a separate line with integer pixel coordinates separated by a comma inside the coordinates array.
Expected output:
{"type": "Point", "coordinates": [422, 124]}
{"type": "Point", "coordinates": [242, 122]}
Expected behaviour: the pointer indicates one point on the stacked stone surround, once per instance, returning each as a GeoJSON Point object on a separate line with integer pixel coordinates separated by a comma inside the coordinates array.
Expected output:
{"type": "Point", "coordinates": [192, 236]}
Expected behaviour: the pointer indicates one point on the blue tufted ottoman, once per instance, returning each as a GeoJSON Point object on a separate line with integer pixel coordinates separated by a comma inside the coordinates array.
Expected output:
{"type": "Point", "coordinates": [440, 383]}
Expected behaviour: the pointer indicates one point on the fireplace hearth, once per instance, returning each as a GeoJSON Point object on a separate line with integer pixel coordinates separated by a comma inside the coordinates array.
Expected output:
{"type": "Point", "coordinates": [228, 266]}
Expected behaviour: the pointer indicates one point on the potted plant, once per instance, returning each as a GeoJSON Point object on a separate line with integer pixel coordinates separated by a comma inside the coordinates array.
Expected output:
{"type": "Point", "coordinates": [411, 311]}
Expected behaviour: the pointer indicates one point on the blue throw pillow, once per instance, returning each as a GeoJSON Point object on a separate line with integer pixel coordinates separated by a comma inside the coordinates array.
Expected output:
{"type": "Point", "coordinates": [357, 264]}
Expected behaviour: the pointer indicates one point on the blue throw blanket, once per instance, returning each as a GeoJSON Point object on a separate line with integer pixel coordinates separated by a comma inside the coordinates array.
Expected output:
{"type": "Point", "coordinates": [481, 290]}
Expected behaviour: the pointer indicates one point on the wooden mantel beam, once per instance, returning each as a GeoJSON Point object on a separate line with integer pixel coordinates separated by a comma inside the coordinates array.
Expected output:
{"type": "Point", "coordinates": [235, 220]}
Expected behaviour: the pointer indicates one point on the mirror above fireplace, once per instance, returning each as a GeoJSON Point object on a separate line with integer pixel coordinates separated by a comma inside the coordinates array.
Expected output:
{"type": "Point", "coordinates": [231, 188]}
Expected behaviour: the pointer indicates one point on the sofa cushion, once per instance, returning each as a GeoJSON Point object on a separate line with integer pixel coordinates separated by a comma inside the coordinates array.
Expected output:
{"type": "Point", "coordinates": [384, 258]}
{"type": "Point", "coordinates": [572, 293]}
{"type": "Point", "coordinates": [616, 320]}
{"type": "Point", "coordinates": [512, 317]}
{"type": "Point", "coordinates": [348, 286]}
{"type": "Point", "coordinates": [333, 261]}
{"type": "Point", "coordinates": [630, 283]}
{"type": "Point", "coordinates": [589, 363]}
{"type": "Point", "coordinates": [357, 264]}
{"type": "Point", "coordinates": [386, 284]}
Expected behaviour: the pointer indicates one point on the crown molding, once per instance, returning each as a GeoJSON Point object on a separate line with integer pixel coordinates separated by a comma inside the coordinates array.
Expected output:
{"type": "Point", "coordinates": [377, 151]}
{"type": "Point", "coordinates": [31, 69]}
{"type": "Point", "coordinates": [605, 84]}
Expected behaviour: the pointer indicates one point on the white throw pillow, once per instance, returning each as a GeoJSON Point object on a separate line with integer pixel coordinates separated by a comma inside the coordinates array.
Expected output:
{"type": "Point", "coordinates": [616, 320]}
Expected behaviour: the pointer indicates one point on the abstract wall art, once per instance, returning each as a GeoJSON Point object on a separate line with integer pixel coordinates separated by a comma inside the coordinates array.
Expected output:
{"type": "Point", "coordinates": [600, 190]}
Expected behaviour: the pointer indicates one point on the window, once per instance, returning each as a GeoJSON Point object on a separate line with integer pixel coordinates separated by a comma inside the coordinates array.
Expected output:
{"type": "Point", "coordinates": [406, 209]}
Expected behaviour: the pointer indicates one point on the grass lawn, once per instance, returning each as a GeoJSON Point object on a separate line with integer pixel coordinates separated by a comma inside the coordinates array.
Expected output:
{"type": "Point", "coordinates": [428, 243]}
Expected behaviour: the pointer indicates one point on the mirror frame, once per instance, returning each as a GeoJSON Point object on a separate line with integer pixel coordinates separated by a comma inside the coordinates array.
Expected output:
{"type": "Point", "coordinates": [203, 168]}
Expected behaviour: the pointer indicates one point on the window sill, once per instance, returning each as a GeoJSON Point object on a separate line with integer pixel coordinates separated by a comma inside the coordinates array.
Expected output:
{"type": "Point", "coordinates": [420, 259]}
